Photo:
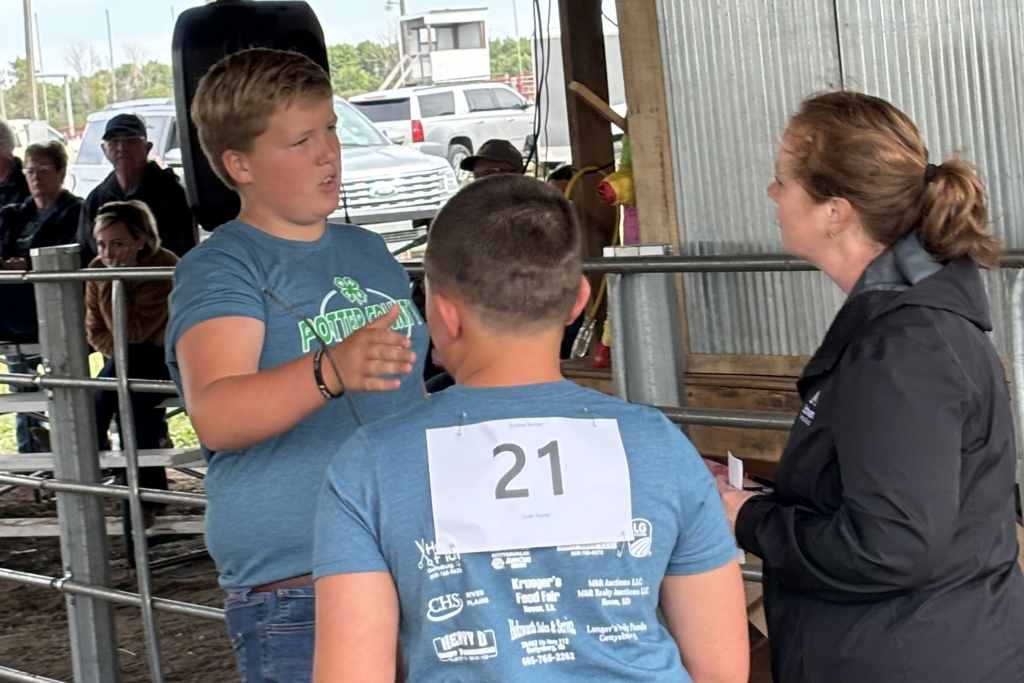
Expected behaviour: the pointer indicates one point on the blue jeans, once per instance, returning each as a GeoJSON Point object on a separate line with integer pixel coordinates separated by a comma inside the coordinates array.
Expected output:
{"type": "Point", "coordinates": [19, 364]}
{"type": "Point", "coordinates": [272, 634]}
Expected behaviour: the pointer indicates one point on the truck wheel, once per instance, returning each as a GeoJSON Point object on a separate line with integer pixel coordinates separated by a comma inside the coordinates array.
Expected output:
{"type": "Point", "coordinates": [456, 153]}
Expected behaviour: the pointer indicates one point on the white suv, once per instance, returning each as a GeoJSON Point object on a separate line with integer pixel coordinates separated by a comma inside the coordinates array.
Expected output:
{"type": "Point", "coordinates": [450, 121]}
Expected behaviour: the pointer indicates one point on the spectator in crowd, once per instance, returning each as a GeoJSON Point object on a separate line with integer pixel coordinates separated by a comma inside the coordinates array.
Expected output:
{"type": "Point", "coordinates": [13, 187]}
{"type": "Point", "coordinates": [47, 218]}
{"type": "Point", "coordinates": [286, 332]}
{"type": "Point", "coordinates": [889, 543]}
{"type": "Point", "coordinates": [504, 272]}
{"type": "Point", "coordinates": [134, 177]}
{"type": "Point", "coordinates": [126, 237]}
{"type": "Point", "coordinates": [494, 156]}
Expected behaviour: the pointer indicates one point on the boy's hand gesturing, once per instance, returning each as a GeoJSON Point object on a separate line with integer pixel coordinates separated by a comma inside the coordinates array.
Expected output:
{"type": "Point", "coordinates": [368, 355]}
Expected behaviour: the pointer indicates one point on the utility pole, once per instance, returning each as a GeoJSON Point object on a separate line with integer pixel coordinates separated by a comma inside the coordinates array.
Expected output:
{"type": "Point", "coordinates": [67, 99]}
{"type": "Point", "coordinates": [3, 105]}
{"type": "Point", "coordinates": [39, 53]}
{"type": "Point", "coordinates": [29, 61]}
{"type": "Point", "coordinates": [113, 76]}
{"type": "Point", "coordinates": [519, 49]}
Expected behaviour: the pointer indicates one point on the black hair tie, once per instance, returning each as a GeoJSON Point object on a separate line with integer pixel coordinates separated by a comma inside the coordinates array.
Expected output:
{"type": "Point", "coordinates": [930, 171]}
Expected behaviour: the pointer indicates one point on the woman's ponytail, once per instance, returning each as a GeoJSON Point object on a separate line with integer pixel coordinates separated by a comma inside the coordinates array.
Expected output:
{"type": "Point", "coordinates": [954, 219]}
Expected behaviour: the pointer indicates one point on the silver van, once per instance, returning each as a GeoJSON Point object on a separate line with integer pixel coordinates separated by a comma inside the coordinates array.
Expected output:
{"type": "Point", "coordinates": [392, 190]}
{"type": "Point", "coordinates": [450, 121]}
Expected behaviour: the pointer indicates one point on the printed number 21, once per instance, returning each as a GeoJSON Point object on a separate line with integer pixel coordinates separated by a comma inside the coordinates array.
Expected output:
{"type": "Point", "coordinates": [502, 490]}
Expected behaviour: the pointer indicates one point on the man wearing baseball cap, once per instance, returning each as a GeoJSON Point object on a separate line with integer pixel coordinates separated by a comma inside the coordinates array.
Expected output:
{"type": "Point", "coordinates": [494, 156]}
{"type": "Point", "coordinates": [134, 176]}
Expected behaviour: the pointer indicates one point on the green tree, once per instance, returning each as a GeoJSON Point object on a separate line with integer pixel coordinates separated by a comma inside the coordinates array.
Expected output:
{"type": "Point", "coordinates": [360, 68]}
{"type": "Point", "coordinates": [505, 57]}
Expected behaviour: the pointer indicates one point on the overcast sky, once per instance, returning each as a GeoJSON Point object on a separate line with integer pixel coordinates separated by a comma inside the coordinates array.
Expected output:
{"type": "Point", "coordinates": [150, 23]}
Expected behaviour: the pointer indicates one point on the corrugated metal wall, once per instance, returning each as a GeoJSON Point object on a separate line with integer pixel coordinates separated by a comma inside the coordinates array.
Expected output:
{"type": "Point", "coordinates": [736, 69]}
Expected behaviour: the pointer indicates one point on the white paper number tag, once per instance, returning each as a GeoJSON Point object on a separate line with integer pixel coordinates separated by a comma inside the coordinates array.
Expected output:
{"type": "Point", "coordinates": [528, 483]}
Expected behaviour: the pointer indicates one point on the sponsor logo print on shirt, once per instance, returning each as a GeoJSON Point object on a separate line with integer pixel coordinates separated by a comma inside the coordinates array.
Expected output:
{"type": "Point", "coordinates": [536, 596]}
{"type": "Point", "coordinates": [617, 633]}
{"type": "Point", "coordinates": [359, 306]}
{"type": "Point", "coordinates": [444, 607]}
{"type": "Point", "coordinates": [437, 564]}
{"type": "Point", "coordinates": [807, 413]}
{"type": "Point", "coordinates": [643, 533]}
{"type": "Point", "coordinates": [466, 646]}
{"type": "Point", "coordinates": [511, 559]}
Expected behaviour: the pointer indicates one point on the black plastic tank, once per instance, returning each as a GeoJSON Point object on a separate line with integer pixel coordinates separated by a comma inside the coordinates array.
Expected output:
{"type": "Point", "coordinates": [202, 36]}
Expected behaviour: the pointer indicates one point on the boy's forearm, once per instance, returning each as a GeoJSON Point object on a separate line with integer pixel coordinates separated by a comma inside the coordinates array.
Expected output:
{"type": "Point", "coordinates": [243, 410]}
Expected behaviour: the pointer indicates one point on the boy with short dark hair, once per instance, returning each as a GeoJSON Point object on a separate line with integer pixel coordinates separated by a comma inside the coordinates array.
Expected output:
{"type": "Point", "coordinates": [518, 527]}
{"type": "Point", "coordinates": [271, 319]}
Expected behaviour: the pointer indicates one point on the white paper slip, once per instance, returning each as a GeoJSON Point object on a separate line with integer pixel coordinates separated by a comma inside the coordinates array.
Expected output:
{"type": "Point", "coordinates": [736, 481]}
{"type": "Point", "coordinates": [529, 483]}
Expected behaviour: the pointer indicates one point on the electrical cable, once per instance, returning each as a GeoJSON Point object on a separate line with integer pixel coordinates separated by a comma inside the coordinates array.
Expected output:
{"type": "Point", "coordinates": [326, 347]}
{"type": "Point", "coordinates": [547, 90]}
{"type": "Point", "coordinates": [539, 81]}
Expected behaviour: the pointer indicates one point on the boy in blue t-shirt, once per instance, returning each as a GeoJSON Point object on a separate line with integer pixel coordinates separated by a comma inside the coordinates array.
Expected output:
{"type": "Point", "coordinates": [518, 527]}
{"type": "Point", "coordinates": [271, 320]}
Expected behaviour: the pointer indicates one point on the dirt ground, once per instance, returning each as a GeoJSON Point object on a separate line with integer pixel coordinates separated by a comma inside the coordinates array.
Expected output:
{"type": "Point", "coordinates": [33, 621]}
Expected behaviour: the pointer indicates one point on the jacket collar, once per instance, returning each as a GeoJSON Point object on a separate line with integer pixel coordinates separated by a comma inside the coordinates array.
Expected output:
{"type": "Point", "coordinates": [903, 275]}
{"type": "Point", "coordinates": [111, 186]}
{"type": "Point", "coordinates": [65, 200]}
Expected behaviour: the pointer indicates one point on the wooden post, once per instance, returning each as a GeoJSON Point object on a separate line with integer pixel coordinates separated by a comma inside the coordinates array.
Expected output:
{"type": "Point", "coordinates": [643, 73]}
{"type": "Point", "coordinates": [590, 134]}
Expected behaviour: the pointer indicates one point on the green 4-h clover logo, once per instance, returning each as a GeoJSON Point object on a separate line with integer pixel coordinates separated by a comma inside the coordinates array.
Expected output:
{"type": "Point", "coordinates": [350, 289]}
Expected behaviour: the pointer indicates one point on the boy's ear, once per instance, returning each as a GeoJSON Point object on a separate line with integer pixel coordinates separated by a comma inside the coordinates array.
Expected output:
{"type": "Point", "coordinates": [582, 297]}
{"type": "Point", "coordinates": [451, 315]}
{"type": "Point", "coordinates": [237, 165]}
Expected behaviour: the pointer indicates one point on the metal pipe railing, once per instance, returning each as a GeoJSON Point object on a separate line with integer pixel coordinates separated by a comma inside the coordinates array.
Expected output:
{"type": "Point", "coordinates": [67, 585]}
{"type": "Point", "coordinates": [108, 383]}
{"type": "Point", "coordinates": [129, 445]}
{"type": "Point", "coordinates": [8, 674]}
{"type": "Point", "coordinates": [104, 490]}
{"type": "Point", "coordinates": [749, 263]}
{"type": "Point", "coordinates": [714, 417]}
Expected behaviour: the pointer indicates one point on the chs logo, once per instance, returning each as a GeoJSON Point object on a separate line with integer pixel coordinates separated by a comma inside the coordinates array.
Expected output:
{"type": "Point", "coordinates": [444, 607]}
{"type": "Point", "coordinates": [643, 533]}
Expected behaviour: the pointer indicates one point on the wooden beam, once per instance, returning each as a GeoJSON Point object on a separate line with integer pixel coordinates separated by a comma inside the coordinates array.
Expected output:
{"type": "Point", "coordinates": [599, 105]}
{"type": "Point", "coordinates": [643, 74]}
{"type": "Point", "coordinates": [590, 135]}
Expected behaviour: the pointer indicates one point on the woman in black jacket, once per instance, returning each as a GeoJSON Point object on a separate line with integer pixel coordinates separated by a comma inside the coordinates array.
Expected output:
{"type": "Point", "coordinates": [889, 542]}
{"type": "Point", "coordinates": [49, 217]}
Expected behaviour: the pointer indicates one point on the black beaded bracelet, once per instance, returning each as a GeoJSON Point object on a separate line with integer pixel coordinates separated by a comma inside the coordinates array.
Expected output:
{"type": "Point", "coordinates": [318, 375]}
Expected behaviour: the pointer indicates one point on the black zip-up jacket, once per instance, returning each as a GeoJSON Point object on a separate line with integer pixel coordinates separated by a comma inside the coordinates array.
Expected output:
{"type": "Point", "coordinates": [58, 228]}
{"type": "Point", "coordinates": [17, 301]}
{"type": "Point", "coordinates": [158, 189]}
{"type": "Point", "coordinates": [889, 543]}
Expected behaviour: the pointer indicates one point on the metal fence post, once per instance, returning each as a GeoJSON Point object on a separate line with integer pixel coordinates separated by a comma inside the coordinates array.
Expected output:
{"type": "Point", "coordinates": [1017, 368]}
{"type": "Point", "coordinates": [83, 534]}
{"type": "Point", "coordinates": [131, 453]}
{"type": "Point", "coordinates": [647, 357]}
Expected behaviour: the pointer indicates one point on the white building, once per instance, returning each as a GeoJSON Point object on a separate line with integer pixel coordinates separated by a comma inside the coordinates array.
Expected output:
{"type": "Point", "coordinates": [445, 46]}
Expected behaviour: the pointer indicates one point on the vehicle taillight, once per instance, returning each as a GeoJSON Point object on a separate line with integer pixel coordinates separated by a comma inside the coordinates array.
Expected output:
{"type": "Point", "coordinates": [417, 131]}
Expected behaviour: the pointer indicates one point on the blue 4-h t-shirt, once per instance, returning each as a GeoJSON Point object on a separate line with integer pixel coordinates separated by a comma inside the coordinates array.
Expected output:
{"type": "Point", "coordinates": [575, 613]}
{"type": "Point", "coordinates": [262, 499]}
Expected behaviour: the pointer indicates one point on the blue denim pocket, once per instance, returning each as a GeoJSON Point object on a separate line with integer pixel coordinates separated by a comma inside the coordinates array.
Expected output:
{"type": "Point", "coordinates": [288, 636]}
{"type": "Point", "coordinates": [245, 615]}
